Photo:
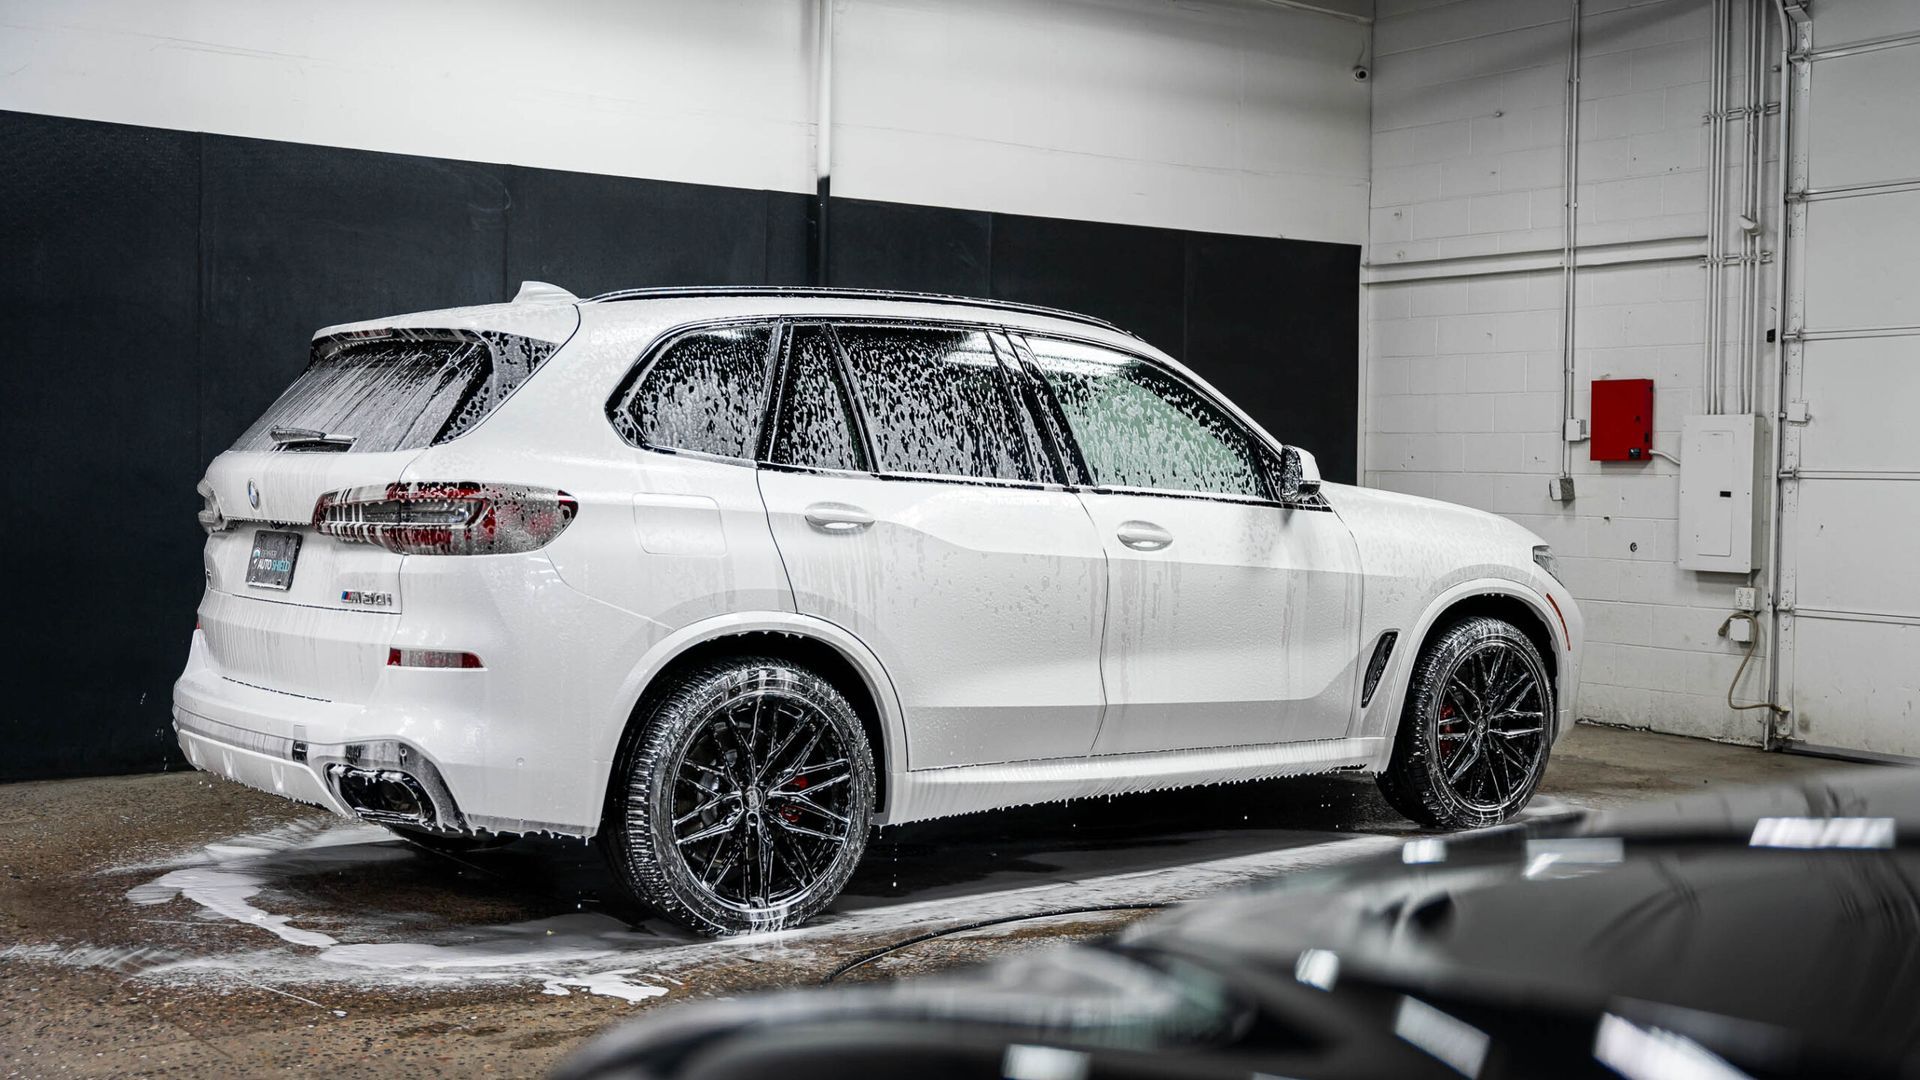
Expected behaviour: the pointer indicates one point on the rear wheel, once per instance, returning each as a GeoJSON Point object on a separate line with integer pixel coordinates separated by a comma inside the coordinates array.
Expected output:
{"type": "Point", "coordinates": [745, 798]}
{"type": "Point", "coordinates": [1473, 740]}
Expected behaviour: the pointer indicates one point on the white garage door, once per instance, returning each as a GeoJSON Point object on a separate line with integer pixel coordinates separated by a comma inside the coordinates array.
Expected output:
{"type": "Point", "coordinates": [1851, 518]}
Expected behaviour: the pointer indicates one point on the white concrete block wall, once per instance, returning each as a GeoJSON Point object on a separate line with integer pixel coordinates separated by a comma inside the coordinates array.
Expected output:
{"type": "Point", "coordinates": [1463, 374]}
{"type": "Point", "coordinates": [1220, 115]}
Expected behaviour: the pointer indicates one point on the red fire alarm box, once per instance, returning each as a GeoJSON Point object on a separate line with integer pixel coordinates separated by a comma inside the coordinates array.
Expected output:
{"type": "Point", "coordinates": [1622, 420]}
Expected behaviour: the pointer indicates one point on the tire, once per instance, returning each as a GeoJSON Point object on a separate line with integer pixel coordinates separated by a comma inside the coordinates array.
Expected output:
{"type": "Point", "coordinates": [1450, 769]}
{"type": "Point", "coordinates": [744, 798]}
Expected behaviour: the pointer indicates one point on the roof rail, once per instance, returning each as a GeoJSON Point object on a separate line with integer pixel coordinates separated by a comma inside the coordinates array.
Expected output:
{"type": "Point", "coordinates": [806, 291]}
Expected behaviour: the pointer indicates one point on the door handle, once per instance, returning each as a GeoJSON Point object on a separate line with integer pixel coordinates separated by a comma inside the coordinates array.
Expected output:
{"type": "Point", "coordinates": [1143, 535]}
{"type": "Point", "coordinates": [830, 517]}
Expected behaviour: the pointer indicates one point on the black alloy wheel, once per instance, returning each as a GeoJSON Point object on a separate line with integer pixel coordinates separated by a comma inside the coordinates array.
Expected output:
{"type": "Point", "coordinates": [1476, 729]}
{"type": "Point", "coordinates": [747, 799]}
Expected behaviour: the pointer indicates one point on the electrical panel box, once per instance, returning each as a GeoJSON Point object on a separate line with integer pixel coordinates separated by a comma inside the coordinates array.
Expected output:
{"type": "Point", "coordinates": [1622, 420]}
{"type": "Point", "coordinates": [1719, 474]}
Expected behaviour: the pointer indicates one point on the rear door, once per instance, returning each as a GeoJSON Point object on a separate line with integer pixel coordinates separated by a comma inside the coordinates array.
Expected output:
{"type": "Point", "coordinates": [912, 507]}
{"type": "Point", "coordinates": [1231, 620]}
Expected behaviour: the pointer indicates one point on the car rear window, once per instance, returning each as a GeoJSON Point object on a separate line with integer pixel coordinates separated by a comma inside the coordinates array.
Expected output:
{"type": "Point", "coordinates": [404, 391]}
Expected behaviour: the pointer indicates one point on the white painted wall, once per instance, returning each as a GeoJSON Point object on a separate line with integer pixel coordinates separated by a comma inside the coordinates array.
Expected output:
{"type": "Point", "coordinates": [1226, 115]}
{"type": "Point", "coordinates": [1463, 373]}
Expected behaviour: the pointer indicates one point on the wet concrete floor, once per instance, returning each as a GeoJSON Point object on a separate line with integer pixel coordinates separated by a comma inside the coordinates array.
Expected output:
{"type": "Point", "coordinates": [181, 925]}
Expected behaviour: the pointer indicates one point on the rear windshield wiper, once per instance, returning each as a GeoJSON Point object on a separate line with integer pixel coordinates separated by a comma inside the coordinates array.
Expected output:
{"type": "Point", "coordinates": [284, 436]}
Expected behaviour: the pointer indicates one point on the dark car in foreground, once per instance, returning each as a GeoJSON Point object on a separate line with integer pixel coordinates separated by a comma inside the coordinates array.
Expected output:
{"type": "Point", "coordinates": [1764, 932]}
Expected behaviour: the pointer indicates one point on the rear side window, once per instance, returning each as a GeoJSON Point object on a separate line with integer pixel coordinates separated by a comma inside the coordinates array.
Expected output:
{"type": "Point", "coordinates": [815, 427]}
{"type": "Point", "coordinates": [936, 402]}
{"type": "Point", "coordinates": [705, 392]}
{"type": "Point", "coordinates": [402, 392]}
{"type": "Point", "coordinates": [1138, 426]}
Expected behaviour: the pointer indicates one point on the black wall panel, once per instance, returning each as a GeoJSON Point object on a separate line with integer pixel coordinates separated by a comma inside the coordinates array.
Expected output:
{"type": "Point", "coordinates": [298, 237]}
{"type": "Point", "coordinates": [159, 288]}
{"type": "Point", "coordinates": [99, 250]}
{"type": "Point", "coordinates": [1274, 324]}
{"type": "Point", "coordinates": [882, 245]}
{"type": "Point", "coordinates": [593, 234]}
{"type": "Point", "coordinates": [1131, 276]}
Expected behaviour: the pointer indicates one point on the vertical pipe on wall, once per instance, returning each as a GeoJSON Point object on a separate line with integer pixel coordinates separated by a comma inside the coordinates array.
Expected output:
{"type": "Point", "coordinates": [1750, 214]}
{"type": "Point", "coordinates": [822, 140]}
{"type": "Point", "coordinates": [1783, 128]}
{"type": "Point", "coordinates": [1570, 243]}
{"type": "Point", "coordinates": [1716, 183]}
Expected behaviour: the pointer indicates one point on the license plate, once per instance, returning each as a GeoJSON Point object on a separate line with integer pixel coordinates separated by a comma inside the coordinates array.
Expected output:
{"type": "Point", "coordinates": [271, 564]}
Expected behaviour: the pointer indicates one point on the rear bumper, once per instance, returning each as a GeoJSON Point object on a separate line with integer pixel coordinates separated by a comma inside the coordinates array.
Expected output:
{"type": "Point", "coordinates": [440, 732]}
{"type": "Point", "coordinates": [259, 761]}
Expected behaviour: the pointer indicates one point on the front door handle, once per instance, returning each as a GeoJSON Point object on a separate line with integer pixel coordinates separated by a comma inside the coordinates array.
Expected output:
{"type": "Point", "coordinates": [832, 517]}
{"type": "Point", "coordinates": [1144, 535]}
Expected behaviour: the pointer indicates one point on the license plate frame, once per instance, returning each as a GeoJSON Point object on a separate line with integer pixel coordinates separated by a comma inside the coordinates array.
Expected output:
{"type": "Point", "coordinates": [271, 563]}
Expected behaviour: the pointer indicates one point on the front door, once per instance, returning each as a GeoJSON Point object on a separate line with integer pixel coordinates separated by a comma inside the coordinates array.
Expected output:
{"type": "Point", "coordinates": [905, 497]}
{"type": "Point", "coordinates": [1232, 620]}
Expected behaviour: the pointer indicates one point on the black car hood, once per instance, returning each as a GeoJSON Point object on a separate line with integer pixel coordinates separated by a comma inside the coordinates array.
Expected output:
{"type": "Point", "coordinates": [1778, 928]}
{"type": "Point", "coordinates": [1792, 907]}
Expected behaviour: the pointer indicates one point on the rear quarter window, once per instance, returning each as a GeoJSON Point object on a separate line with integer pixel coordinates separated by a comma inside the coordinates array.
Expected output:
{"type": "Point", "coordinates": [706, 392]}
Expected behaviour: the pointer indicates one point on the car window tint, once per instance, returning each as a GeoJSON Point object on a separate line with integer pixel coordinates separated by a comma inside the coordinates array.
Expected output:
{"type": "Point", "coordinates": [935, 402]}
{"type": "Point", "coordinates": [705, 393]}
{"type": "Point", "coordinates": [815, 428]}
{"type": "Point", "coordinates": [1138, 426]}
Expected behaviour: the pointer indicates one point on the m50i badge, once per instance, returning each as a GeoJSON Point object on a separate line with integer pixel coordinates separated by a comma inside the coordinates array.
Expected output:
{"type": "Point", "coordinates": [366, 599]}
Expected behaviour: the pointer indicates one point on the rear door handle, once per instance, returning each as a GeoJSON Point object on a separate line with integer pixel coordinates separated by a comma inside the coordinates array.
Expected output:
{"type": "Point", "coordinates": [831, 517]}
{"type": "Point", "coordinates": [1143, 535]}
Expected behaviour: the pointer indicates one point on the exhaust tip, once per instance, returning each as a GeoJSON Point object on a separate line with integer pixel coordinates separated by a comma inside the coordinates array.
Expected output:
{"type": "Point", "coordinates": [387, 796]}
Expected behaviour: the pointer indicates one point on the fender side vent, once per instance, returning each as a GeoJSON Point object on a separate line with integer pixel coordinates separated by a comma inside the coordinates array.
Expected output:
{"type": "Point", "coordinates": [1377, 666]}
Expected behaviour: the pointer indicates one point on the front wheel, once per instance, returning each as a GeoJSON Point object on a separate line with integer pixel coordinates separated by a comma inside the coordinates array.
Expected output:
{"type": "Point", "coordinates": [745, 798]}
{"type": "Point", "coordinates": [1473, 737]}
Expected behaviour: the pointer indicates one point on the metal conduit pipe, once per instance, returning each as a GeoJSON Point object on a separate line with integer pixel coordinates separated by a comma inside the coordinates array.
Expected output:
{"type": "Point", "coordinates": [823, 138]}
{"type": "Point", "coordinates": [1716, 175]}
{"type": "Point", "coordinates": [1750, 219]}
{"type": "Point", "coordinates": [1570, 252]}
{"type": "Point", "coordinates": [1783, 127]}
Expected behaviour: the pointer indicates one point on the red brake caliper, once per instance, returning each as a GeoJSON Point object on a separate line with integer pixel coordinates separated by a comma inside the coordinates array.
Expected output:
{"type": "Point", "coordinates": [790, 811]}
{"type": "Point", "coordinates": [1446, 717]}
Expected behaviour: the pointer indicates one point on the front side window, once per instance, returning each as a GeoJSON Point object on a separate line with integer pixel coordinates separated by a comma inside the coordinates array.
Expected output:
{"type": "Point", "coordinates": [1139, 427]}
{"type": "Point", "coordinates": [705, 392]}
{"type": "Point", "coordinates": [815, 427]}
{"type": "Point", "coordinates": [936, 402]}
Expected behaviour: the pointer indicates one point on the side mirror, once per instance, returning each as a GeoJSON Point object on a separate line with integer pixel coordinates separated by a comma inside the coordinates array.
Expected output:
{"type": "Point", "coordinates": [1299, 474]}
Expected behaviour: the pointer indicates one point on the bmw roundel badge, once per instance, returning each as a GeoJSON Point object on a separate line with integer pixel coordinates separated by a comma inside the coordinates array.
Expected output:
{"type": "Point", "coordinates": [253, 495]}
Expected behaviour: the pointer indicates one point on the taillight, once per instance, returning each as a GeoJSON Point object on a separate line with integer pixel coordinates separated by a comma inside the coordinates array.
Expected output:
{"type": "Point", "coordinates": [458, 518]}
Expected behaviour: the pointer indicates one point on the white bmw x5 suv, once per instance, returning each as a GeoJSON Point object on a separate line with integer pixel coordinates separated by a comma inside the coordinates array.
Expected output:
{"type": "Point", "coordinates": [726, 577]}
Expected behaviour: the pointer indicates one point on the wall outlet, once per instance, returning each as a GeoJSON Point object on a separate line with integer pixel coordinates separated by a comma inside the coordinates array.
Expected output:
{"type": "Point", "coordinates": [1576, 429]}
{"type": "Point", "coordinates": [1740, 630]}
{"type": "Point", "coordinates": [1746, 599]}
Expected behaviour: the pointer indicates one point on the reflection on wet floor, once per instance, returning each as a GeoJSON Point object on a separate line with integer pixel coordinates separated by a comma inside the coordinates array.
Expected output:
{"type": "Point", "coordinates": [312, 906]}
{"type": "Point", "coordinates": [975, 854]}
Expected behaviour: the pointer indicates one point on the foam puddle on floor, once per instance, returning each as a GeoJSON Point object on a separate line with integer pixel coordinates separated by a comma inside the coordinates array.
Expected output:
{"type": "Point", "coordinates": [595, 953]}
{"type": "Point", "coordinates": [564, 953]}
